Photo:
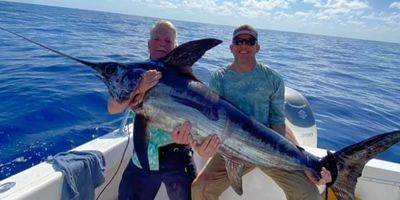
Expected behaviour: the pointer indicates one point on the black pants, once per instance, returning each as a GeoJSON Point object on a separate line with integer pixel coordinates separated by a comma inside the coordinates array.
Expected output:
{"type": "Point", "coordinates": [176, 171]}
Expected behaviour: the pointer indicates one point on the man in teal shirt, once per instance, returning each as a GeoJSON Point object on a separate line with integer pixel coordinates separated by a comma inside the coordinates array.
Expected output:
{"type": "Point", "coordinates": [258, 91]}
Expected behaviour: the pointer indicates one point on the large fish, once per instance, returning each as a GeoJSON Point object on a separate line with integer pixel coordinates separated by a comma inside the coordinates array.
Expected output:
{"type": "Point", "coordinates": [179, 96]}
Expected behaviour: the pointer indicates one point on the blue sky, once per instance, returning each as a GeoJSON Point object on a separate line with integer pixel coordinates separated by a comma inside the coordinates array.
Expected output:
{"type": "Point", "coordinates": [372, 20]}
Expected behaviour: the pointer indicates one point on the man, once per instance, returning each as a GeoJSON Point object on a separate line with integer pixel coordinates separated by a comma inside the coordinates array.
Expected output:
{"type": "Point", "coordinates": [171, 164]}
{"type": "Point", "coordinates": [258, 91]}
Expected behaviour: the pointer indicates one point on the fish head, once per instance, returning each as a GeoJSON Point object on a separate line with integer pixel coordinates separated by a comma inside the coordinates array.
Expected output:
{"type": "Point", "coordinates": [121, 78]}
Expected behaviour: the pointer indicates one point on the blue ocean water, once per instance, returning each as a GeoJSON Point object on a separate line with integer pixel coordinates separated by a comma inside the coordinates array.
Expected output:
{"type": "Point", "coordinates": [51, 104]}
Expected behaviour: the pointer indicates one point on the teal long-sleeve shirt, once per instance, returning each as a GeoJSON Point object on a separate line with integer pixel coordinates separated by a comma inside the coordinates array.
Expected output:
{"type": "Point", "coordinates": [259, 93]}
{"type": "Point", "coordinates": [157, 138]}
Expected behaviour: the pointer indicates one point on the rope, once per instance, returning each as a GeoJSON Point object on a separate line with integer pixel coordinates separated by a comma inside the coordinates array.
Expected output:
{"type": "Point", "coordinates": [123, 124]}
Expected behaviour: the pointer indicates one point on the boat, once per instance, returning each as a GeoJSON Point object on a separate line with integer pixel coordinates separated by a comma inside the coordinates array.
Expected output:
{"type": "Point", "coordinates": [380, 179]}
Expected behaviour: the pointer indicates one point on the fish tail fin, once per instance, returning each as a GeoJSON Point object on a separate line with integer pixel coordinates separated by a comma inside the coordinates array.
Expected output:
{"type": "Point", "coordinates": [350, 162]}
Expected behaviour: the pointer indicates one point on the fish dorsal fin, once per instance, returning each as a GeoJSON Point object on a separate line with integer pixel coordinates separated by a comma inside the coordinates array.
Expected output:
{"type": "Point", "coordinates": [185, 55]}
{"type": "Point", "coordinates": [234, 168]}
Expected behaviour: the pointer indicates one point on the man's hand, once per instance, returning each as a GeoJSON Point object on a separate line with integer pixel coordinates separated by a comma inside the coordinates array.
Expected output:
{"type": "Point", "coordinates": [181, 133]}
{"type": "Point", "coordinates": [325, 177]}
{"type": "Point", "coordinates": [208, 148]}
{"type": "Point", "coordinates": [148, 80]}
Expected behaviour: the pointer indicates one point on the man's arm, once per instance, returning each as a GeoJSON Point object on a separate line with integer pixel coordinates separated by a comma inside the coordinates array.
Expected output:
{"type": "Point", "coordinates": [286, 132]}
{"type": "Point", "coordinates": [114, 107]}
{"type": "Point", "coordinates": [325, 174]}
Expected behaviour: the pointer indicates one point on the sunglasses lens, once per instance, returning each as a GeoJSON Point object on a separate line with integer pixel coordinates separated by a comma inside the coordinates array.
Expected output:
{"type": "Point", "coordinates": [248, 42]}
{"type": "Point", "coordinates": [252, 42]}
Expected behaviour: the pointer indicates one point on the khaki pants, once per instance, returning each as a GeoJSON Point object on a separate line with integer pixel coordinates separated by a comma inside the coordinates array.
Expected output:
{"type": "Point", "coordinates": [213, 181]}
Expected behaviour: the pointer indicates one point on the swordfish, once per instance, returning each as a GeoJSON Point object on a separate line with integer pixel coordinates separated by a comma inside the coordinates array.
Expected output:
{"type": "Point", "coordinates": [180, 96]}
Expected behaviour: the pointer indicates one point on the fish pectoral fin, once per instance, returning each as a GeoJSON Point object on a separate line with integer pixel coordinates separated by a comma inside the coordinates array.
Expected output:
{"type": "Point", "coordinates": [140, 140]}
{"type": "Point", "coordinates": [234, 168]}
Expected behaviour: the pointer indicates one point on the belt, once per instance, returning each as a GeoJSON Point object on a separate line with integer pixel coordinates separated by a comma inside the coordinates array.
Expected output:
{"type": "Point", "coordinates": [177, 148]}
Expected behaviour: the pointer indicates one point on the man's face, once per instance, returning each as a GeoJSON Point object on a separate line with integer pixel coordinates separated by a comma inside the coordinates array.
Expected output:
{"type": "Point", "coordinates": [244, 46]}
{"type": "Point", "coordinates": [161, 43]}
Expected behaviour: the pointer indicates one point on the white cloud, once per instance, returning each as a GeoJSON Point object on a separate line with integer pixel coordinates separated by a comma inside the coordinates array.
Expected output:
{"type": "Point", "coordinates": [145, 1]}
{"type": "Point", "coordinates": [351, 4]}
{"type": "Point", "coordinates": [245, 8]}
{"type": "Point", "coordinates": [316, 3]}
{"type": "Point", "coordinates": [355, 22]}
{"type": "Point", "coordinates": [332, 9]}
{"type": "Point", "coordinates": [266, 4]}
{"type": "Point", "coordinates": [252, 14]}
{"type": "Point", "coordinates": [211, 6]}
{"type": "Point", "coordinates": [281, 16]}
{"type": "Point", "coordinates": [341, 12]}
{"type": "Point", "coordinates": [343, 7]}
{"type": "Point", "coordinates": [304, 17]}
{"type": "Point", "coordinates": [395, 5]}
{"type": "Point", "coordinates": [307, 14]}
{"type": "Point", "coordinates": [227, 8]}
{"type": "Point", "coordinates": [166, 4]}
{"type": "Point", "coordinates": [193, 4]}
{"type": "Point", "coordinates": [392, 20]}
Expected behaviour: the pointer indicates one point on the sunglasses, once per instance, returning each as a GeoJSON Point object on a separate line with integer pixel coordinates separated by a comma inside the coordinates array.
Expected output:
{"type": "Point", "coordinates": [248, 42]}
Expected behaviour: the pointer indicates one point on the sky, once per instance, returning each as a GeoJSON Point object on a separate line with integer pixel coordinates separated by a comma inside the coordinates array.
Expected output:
{"type": "Point", "coordinates": [371, 20]}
